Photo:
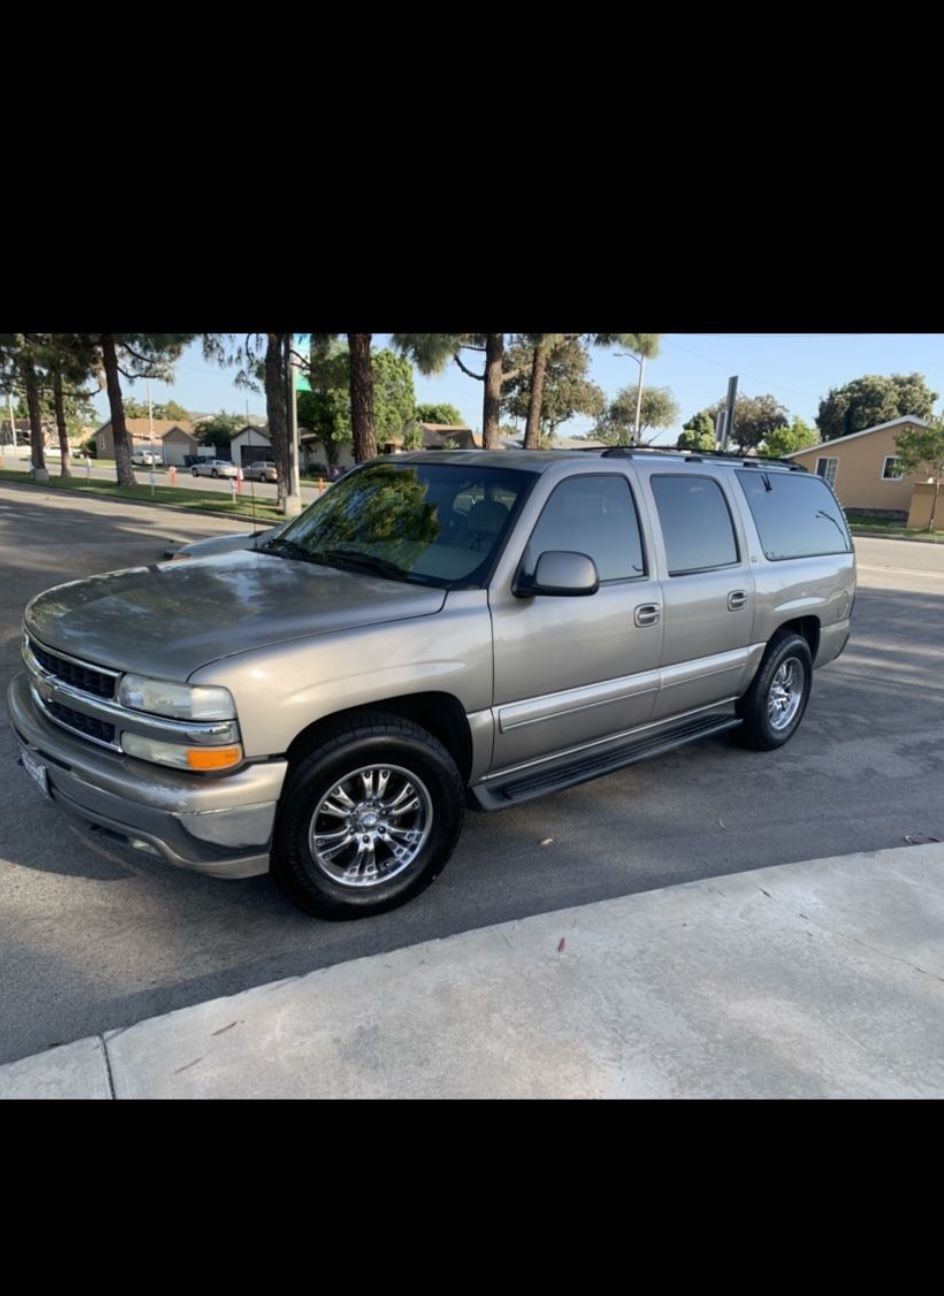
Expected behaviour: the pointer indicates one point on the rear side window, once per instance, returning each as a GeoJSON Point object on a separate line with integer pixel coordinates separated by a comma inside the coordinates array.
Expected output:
{"type": "Point", "coordinates": [696, 523]}
{"type": "Point", "coordinates": [796, 514]}
{"type": "Point", "coordinates": [594, 516]}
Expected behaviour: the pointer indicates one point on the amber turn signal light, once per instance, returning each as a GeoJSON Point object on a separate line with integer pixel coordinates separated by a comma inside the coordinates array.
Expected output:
{"type": "Point", "coordinates": [213, 758]}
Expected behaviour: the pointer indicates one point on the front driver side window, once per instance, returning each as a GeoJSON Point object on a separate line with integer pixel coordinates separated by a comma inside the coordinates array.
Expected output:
{"type": "Point", "coordinates": [593, 515]}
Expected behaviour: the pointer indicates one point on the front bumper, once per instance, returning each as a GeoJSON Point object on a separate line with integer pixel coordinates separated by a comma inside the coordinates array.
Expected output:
{"type": "Point", "coordinates": [218, 826]}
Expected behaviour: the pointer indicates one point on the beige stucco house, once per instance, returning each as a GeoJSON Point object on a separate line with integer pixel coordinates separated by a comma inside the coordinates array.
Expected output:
{"type": "Point", "coordinates": [173, 439]}
{"type": "Point", "coordinates": [862, 467]}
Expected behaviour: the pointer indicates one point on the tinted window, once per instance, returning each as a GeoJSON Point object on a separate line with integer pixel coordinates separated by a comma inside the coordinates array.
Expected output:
{"type": "Point", "coordinates": [796, 514]}
{"type": "Point", "coordinates": [594, 516]}
{"type": "Point", "coordinates": [434, 524]}
{"type": "Point", "coordinates": [696, 524]}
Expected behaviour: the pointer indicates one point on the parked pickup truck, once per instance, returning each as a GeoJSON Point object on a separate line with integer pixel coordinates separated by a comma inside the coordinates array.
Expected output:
{"type": "Point", "coordinates": [440, 629]}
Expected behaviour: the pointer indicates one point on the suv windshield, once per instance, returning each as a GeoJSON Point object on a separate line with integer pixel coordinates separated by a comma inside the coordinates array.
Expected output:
{"type": "Point", "coordinates": [433, 524]}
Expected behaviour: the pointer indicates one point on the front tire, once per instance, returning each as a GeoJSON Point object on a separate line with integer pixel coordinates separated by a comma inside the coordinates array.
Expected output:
{"type": "Point", "coordinates": [194, 473]}
{"type": "Point", "coordinates": [368, 817]}
{"type": "Point", "coordinates": [772, 708]}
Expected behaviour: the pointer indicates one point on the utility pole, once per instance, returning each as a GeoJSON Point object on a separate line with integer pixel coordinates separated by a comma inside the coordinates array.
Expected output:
{"type": "Point", "coordinates": [293, 496]}
{"type": "Point", "coordinates": [12, 420]}
{"type": "Point", "coordinates": [729, 412]}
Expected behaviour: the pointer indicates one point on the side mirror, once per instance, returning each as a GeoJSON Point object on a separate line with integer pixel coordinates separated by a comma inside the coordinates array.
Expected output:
{"type": "Point", "coordinates": [559, 572]}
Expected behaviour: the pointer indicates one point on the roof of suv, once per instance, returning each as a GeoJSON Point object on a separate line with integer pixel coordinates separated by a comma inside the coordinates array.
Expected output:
{"type": "Point", "coordinates": [539, 460]}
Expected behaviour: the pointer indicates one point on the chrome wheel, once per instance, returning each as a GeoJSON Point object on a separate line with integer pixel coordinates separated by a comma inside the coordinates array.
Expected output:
{"type": "Point", "coordinates": [370, 825]}
{"type": "Point", "coordinates": [786, 694]}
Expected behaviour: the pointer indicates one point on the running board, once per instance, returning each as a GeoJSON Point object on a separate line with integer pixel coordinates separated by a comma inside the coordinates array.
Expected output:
{"type": "Point", "coordinates": [524, 785]}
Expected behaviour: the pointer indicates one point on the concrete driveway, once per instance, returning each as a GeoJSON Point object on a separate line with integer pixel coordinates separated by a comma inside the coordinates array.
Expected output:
{"type": "Point", "coordinates": [94, 938]}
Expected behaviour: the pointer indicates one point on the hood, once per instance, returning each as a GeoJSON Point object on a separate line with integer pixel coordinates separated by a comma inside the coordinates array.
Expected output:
{"type": "Point", "coordinates": [170, 619]}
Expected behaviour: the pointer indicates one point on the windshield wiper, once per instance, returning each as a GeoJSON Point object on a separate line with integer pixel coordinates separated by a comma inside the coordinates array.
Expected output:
{"type": "Point", "coordinates": [362, 562]}
{"type": "Point", "coordinates": [286, 548]}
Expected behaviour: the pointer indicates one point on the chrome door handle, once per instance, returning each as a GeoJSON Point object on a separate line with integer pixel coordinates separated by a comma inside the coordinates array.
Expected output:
{"type": "Point", "coordinates": [736, 600]}
{"type": "Point", "coordinates": [647, 614]}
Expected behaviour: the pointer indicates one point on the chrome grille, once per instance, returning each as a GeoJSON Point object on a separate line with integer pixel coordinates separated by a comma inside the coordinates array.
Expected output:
{"type": "Point", "coordinates": [76, 674]}
{"type": "Point", "coordinates": [81, 723]}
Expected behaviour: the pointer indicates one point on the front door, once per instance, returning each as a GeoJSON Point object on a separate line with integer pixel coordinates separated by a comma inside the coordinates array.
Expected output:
{"type": "Point", "coordinates": [571, 670]}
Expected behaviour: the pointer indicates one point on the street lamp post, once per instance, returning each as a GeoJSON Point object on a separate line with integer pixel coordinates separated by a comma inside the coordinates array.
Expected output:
{"type": "Point", "coordinates": [641, 361]}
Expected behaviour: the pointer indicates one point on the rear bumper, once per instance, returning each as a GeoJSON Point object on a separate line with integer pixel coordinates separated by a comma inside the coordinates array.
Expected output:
{"type": "Point", "coordinates": [218, 826]}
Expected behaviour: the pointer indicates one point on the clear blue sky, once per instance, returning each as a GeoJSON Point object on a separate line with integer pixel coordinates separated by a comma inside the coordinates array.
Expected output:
{"type": "Point", "coordinates": [796, 368]}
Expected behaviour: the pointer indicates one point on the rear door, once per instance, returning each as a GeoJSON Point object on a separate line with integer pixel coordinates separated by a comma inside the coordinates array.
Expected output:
{"type": "Point", "coordinates": [707, 588]}
{"type": "Point", "coordinates": [573, 670]}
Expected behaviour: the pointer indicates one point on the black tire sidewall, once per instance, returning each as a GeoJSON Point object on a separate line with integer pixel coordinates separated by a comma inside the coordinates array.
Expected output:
{"type": "Point", "coordinates": [292, 863]}
{"type": "Point", "coordinates": [753, 707]}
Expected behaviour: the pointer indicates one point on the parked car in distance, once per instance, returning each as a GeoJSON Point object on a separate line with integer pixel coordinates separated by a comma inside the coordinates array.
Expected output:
{"type": "Point", "coordinates": [213, 468]}
{"type": "Point", "coordinates": [439, 630]}
{"type": "Point", "coordinates": [261, 470]}
{"type": "Point", "coordinates": [147, 458]}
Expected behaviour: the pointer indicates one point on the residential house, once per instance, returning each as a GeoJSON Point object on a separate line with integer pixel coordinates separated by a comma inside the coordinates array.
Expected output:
{"type": "Point", "coordinates": [173, 438]}
{"type": "Point", "coordinates": [22, 432]}
{"type": "Point", "coordinates": [863, 470]}
{"type": "Point", "coordinates": [436, 436]}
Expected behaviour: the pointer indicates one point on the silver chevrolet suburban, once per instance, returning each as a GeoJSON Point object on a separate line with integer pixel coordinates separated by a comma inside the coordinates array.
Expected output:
{"type": "Point", "coordinates": [440, 629]}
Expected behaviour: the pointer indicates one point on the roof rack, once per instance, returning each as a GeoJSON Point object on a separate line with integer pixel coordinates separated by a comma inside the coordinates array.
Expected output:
{"type": "Point", "coordinates": [696, 456]}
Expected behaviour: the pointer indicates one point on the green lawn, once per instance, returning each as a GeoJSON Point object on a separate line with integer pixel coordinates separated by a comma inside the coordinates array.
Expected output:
{"type": "Point", "coordinates": [864, 525]}
{"type": "Point", "coordinates": [180, 497]}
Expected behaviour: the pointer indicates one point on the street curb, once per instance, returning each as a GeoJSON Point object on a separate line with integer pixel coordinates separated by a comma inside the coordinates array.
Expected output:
{"type": "Point", "coordinates": [905, 539]}
{"type": "Point", "coordinates": [558, 1041]}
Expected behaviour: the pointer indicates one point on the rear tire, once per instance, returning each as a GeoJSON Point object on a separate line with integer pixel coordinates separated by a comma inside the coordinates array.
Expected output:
{"type": "Point", "coordinates": [341, 861]}
{"type": "Point", "coordinates": [194, 473]}
{"type": "Point", "coordinates": [773, 706]}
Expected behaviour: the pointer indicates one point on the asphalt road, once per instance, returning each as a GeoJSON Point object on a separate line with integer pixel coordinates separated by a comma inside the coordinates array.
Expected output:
{"type": "Point", "coordinates": [95, 937]}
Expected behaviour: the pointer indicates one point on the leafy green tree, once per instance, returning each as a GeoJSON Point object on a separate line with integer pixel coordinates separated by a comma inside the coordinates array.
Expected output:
{"type": "Point", "coordinates": [432, 352]}
{"type": "Point", "coordinates": [698, 433]}
{"type": "Point", "coordinates": [363, 425]}
{"type": "Point", "coordinates": [133, 356]}
{"type": "Point", "coordinates": [787, 440]}
{"type": "Point", "coordinates": [165, 410]}
{"type": "Point", "coordinates": [444, 414]}
{"type": "Point", "coordinates": [23, 358]}
{"type": "Point", "coordinates": [218, 430]}
{"type": "Point", "coordinates": [922, 450]}
{"type": "Point", "coordinates": [871, 400]}
{"type": "Point", "coordinates": [261, 361]}
{"type": "Point", "coordinates": [327, 411]}
{"type": "Point", "coordinates": [658, 409]}
{"type": "Point", "coordinates": [70, 361]}
{"type": "Point", "coordinates": [566, 389]}
{"type": "Point", "coordinates": [755, 417]}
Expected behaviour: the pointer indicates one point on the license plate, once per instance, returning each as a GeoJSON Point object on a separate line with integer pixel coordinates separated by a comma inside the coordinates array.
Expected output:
{"type": "Point", "coordinates": [37, 771]}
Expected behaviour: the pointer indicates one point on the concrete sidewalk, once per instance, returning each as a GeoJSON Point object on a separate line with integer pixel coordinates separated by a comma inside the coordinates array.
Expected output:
{"type": "Point", "coordinates": [820, 979]}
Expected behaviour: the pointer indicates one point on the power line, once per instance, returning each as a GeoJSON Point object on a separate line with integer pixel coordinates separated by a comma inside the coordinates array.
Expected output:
{"type": "Point", "coordinates": [753, 377]}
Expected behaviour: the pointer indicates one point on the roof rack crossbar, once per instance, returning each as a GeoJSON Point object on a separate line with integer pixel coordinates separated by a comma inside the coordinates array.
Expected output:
{"type": "Point", "coordinates": [694, 456]}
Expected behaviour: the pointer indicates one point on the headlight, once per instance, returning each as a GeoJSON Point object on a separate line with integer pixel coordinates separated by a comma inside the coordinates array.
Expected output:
{"type": "Point", "coordinates": [188, 758]}
{"type": "Point", "coordinates": [179, 701]}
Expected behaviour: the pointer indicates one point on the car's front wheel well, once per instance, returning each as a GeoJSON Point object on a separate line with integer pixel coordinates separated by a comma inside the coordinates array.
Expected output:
{"type": "Point", "coordinates": [440, 714]}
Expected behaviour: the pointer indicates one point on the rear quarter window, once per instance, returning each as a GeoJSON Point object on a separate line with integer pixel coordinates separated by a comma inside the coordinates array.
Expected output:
{"type": "Point", "coordinates": [796, 514]}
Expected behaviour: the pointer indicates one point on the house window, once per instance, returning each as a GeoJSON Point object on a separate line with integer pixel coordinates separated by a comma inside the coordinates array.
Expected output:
{"type": "Point", "coordinates": [829, 469]}
{"type": "Point", "coordinates": [890, 469]}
